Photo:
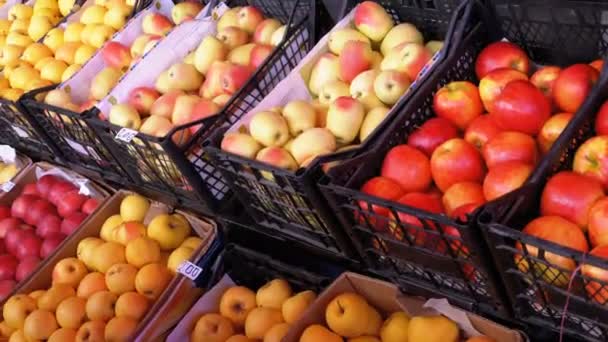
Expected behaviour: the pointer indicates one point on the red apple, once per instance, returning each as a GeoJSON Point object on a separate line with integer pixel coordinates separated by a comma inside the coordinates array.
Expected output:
{"type": "Point", "coordinates": [521, 107]}
{"type": "Point", "coordinates": [259, 54]}
{"type": "Point", "coordinates": [598, 223]}
{"type": "Point", "coordinates": [6, 287]}
{"type": "Point", "coordinates": [142, 98]}
{"type": "Point", "coordinates": [411, 226]}
{"type": "Point", "coordinates": [597, 64]}
{"type": "Point", "coordinates": [89, 206]}
{"type": "Point", "coordinates": [596, 290]}
{"type": "Point", "coordinates": [71, 203]}
{"type": "Point", "coordinates": [8, 267]}
{"type": "Point", "coordinates": [456, 161]}
{"type": "Point", "coordinates": [504, 178]}
{"type": "Point", "coordinates": [552, 129]}
{"type": "Point", "coordinates": [570, 195]}
{"type": "Point", "coordinates": [72, 222]}
{"type": "Point", "coordinates": [573, 85]}
{"type": "Point", "coordinates": [30, 189]}
{"type": "Point", "coordinates": [591, 159]}
{"type": "Point", "coordinates": [116, 55]}
{"type": "Point", "coordinates": [601, 121]}
{"type": "Point", "coordinates": [431, 134]}
{"type": "Point", "coordinates": [59, 190]}
{"type": "Point", "coordinates": [501, 55]}
{"type": "Point", "coordinates": [407, 166]}
{"type": "Point", "coordinates": [2, 247]}
{"type": "Point", "coordinates": [45, 183]}
{"type": "Point", "coordinates": [22, 204]}
{"type": "Point", "coordinates": [544, 79]}
{"type": "Point", "coordinates": [29, 245]}
{"type": "Point", "coordinates": [50, 244]}
{"type": "Point", "coordinates": [9, 223]}
{"type": "Point", "coordinates": [510, 146]}
{"type": "Point", "coordinates": [5, 211]}
{"type": "Point", "coordinates": [482, 129]}
{"type": "Point", "coordinates": [459, 102]}
{"type": "Point", "coordinates": [461, 194]}
{"type": "Point", "coordinates": [384, 188]}
{"type": "Point", "coordinates": [39, 209]}
{"type": "Point", "coordinates": [26, 267]}
{"type": "Point", "coordinates": [49, 225]}
{"type": "Point", "coordinates": [14, 237]}
{"type": "Point", "coordinates": [492, 85]}
{"type": "Point", "coordinates": [559, 231]}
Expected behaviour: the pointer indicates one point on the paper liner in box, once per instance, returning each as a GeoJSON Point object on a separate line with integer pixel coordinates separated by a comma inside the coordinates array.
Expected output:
{"type": "Point", "coordinates": [173, 48]}
{"type": "Point", "coordinates": [79, 84]}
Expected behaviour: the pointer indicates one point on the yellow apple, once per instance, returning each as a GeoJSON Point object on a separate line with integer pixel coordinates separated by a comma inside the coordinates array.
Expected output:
{"type": "Point", "coordinates": [179, 255]}
{"type": "Point", "coordinates": [169, 230]}
{"type": "Point", "coordinates": [134, 208]}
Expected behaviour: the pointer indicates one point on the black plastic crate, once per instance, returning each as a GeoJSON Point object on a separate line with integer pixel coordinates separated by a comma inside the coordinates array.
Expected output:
{"type": "Point", "coordinates": [70, 135]}
{"type": "Point", "coordinates": [18, 132]}
{"type": "Point", "coordinates": [539, 297]}
{"type": "Point", "coordinates": [290, 203]}
{"type": "Point", "coordinates": [452, 261]}
{"type": "Point", "coordinates": [252, 259]}
{"type": "Point", "coordinates": [183, 174]}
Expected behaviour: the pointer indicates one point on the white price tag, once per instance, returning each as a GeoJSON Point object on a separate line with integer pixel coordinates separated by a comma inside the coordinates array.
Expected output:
{"type": "Point", "coordinates": [189, 270]}
{"type": "Point", "coordinates": [7, 187]}
{"type": "Point", "coordinates": [219, 11]}
{"type": "Point", "coordinates": [21, 132]}
{"type": "Point", "coordinates": [126, 135]}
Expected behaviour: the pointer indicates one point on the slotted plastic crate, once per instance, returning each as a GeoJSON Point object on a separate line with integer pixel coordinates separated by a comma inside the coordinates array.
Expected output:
{"type": "Point", "coordinates": [184, 174]}
{"type": "Point", "coordinates": [69, 133]}
{"type": "Point", "coordinates": [290, 203]}
{"type": "Point", "coordinates": [539, 297]}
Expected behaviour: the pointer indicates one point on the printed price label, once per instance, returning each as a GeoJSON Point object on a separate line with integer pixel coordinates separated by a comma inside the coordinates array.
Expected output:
{"type": "Point", "coordinates": [126, 135]}
{"type": "Point", "coordinates": [7, 187]}
{"type": "Point", "coordinates": [189, 270]}
{"type": "Point", "coordinates": [21, 132]}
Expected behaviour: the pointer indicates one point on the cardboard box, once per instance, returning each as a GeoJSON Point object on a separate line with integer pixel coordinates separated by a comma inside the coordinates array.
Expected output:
{"type": "Point", "coordinates": [387, 298]}
{"type": "Point", "coordinates": [31, 175]}
{"type": "Point", "coordinates": [208, 303]}
{"type": "Point", "coordinates": [179, 295]}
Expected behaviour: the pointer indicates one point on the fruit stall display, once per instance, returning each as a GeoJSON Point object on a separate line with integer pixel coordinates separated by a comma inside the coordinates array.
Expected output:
{"type": "Point", "coordinates": [115, 278]}
{"type": "Point", "coordinates": [43, 208]}
{"type": "Point", "coordinates": [57, 109]}
{"type": "Point", "coordinates": [473, 133]}
{"type": "Point", "coordinates": [37, 53]}
{"type": "Point", "coordinates": [342, 94]}
{"type": "Point", "coordinates": [549, 237]}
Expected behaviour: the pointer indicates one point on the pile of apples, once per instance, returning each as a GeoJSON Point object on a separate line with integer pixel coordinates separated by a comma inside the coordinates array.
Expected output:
{"type": "Point", "coordinates": [245, 315]}
{"type": "Point", "coordinates": [353, 88]}
{"type": "Point", "coordinates": [457, 161]}
{"type": "Point", "coordinates": [204, 81]}
{"type": "Point", "coordinates": [37, 221]}
{"type": "Point", "coordinates": [574, 213]}
{"type": "Point", "coordinates": [19, 51]}
{"type": "Point", "coordinates": [118, 58]}
{"type": "Point", "coordinates": [104, 292]}
{"type": "Point", "coordinates": [7, 171]}
{"type": "Point", "coordinates": [350, 316]}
